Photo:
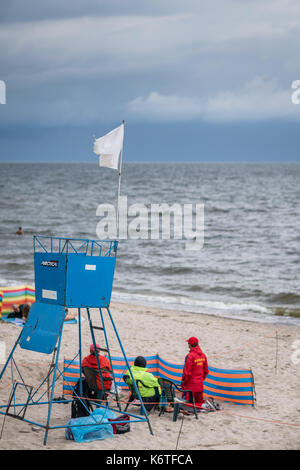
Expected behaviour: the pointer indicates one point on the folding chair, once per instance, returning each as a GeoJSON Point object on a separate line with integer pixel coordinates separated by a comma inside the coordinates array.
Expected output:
{"type": "Point", "coordinates": [134, 396]}
{"type": "Point", "coordinates": [169, 390]}
{"type": "Point", "coordinates": [90, 375]}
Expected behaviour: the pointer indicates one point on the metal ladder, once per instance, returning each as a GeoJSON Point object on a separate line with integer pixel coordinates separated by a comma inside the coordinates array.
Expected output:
{"type": "Point", "coordinates": [105, 350]}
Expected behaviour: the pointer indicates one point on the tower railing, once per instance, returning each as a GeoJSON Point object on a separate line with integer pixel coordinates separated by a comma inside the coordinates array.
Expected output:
{"type": "Point", "coordinates": [49, 244]}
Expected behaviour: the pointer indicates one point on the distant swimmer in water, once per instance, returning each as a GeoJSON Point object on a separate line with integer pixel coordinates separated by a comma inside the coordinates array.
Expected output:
{"type": "Point", "coordinates": [19, 231]}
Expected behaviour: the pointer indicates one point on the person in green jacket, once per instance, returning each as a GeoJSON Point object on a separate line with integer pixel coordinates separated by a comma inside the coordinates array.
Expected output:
{"type": "Point", "coordinates": [149, 389]}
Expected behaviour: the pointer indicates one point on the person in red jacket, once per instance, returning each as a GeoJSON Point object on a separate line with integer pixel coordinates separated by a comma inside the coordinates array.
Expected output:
{"type": "Point", "coordinates": [91, 361]}
{"type": "Point", "coordinates": [195, 371]}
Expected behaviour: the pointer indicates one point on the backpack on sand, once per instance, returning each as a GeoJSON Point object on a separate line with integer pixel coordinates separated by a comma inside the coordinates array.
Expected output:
{"type": "Point", "coordinates": [81, 405]}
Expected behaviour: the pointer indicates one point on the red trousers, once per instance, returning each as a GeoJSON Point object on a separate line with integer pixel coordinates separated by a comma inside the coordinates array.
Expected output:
{"type": "Point", "coordinates": [198, 398]}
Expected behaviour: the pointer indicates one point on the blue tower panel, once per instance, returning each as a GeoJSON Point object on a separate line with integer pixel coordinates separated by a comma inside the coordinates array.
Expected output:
{"type": "Point", "coordinates": [73, 279]}
{"type": "Point", "coordinates": [43, 327]}
{"type": "Point", "coordinates": [89, 280]}
{"type": "Point", "coordinates": [50, 277]}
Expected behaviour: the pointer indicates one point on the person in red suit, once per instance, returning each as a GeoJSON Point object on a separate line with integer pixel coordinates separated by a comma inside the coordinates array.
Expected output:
{"type": "Point", "coordinates": [91, 361]}
{"type": "Point", "coordinates": [195, 371]}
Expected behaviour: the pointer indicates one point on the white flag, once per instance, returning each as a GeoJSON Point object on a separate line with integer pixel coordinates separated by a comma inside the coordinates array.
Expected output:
{"type": "Point", "coordinates": [109, 147]}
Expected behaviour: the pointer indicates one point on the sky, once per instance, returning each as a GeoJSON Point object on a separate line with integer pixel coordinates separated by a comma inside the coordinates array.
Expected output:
{"type": "Point", "coordinates": [207, 80]}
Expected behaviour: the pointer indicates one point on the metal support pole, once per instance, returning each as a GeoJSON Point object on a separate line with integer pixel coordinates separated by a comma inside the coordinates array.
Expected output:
{"type": "Point", "coordinates": [53, 386]}
{"type": "Point", "coordinates": [80, 351]}
{"type": "Point", "coordinates": [97, 357]}
{"type": "Point", "coordinates": [107, 346]}
{"type": "Point", "coordinates": [119, 189]}
{"type": "Point", "coordinates": [144, 412]}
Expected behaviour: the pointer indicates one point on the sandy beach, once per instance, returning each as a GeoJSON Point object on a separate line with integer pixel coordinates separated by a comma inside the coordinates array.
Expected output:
{"type": "Point", "coordinates": [274, 423]}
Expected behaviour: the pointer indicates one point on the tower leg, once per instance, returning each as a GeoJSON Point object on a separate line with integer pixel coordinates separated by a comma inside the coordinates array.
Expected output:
{"type": "Point", "coordinates": [109, 355]}
{"type": "Point", "coordinates": [80, 351]}
{"type": "Point", "coordinates": [143, 409]}
{"type": "Point", "coordinates": [97, 357]}
{"type": "Point", "coordinates": [52, 388]}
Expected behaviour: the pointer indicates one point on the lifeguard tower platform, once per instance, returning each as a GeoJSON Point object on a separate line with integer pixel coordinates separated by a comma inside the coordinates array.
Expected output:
{"type": "Point", "coordinates": [69, 273]}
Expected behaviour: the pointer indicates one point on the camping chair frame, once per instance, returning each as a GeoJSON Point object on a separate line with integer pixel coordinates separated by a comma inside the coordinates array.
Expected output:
{"type": "Point", "coordinates": [134, 395]}
{"type": "Point", "coordinates": [91, 379]}
{"type": "Point", "coordinates": [168, 393]}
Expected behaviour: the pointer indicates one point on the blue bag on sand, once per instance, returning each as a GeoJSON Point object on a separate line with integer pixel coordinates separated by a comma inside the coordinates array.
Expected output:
{"type": "Point", "coordinates": [96, 426]}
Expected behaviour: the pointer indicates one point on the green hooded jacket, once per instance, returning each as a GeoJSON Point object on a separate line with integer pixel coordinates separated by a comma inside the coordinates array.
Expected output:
{"type": "Point", "coordinates": [140, 373]}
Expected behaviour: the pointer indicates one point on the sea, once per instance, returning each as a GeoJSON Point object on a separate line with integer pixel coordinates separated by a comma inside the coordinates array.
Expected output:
{"type": "Point", "coordinates": [246, 268]}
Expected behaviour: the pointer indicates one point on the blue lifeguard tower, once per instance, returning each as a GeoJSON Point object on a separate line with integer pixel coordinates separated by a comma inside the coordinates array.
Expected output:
{"type": "Point", "coordinates": [74, 273]}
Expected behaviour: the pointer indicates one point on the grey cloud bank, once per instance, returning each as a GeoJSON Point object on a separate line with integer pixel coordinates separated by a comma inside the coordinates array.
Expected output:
{"type": "Point", "coordinates": [95, 62]}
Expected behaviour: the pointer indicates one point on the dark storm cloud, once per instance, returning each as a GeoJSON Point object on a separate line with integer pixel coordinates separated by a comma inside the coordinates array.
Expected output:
{"type": "Point", "coordinates": [34, 10]}
{"type": "Point", "coordinates": [75, 63]}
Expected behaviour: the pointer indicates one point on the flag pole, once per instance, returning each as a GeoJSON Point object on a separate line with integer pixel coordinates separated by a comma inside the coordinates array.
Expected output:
{"type": "Point", "coordinates": [119, 186]}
